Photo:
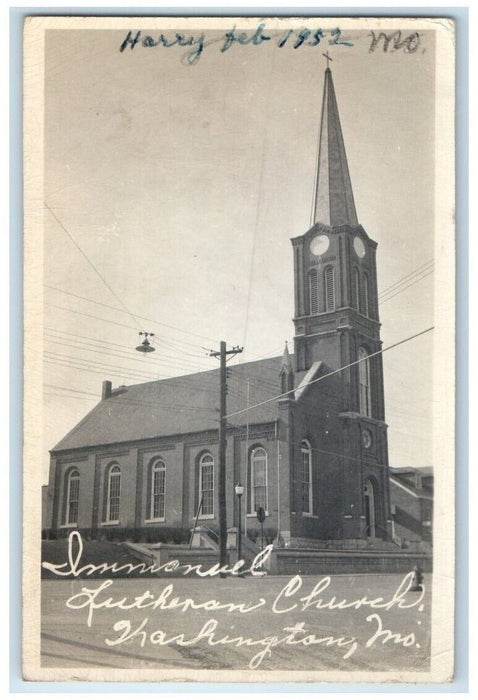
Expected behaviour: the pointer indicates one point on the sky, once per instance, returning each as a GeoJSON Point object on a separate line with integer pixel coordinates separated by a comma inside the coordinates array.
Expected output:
{"type": "Point", "coordinates": [172, 191]}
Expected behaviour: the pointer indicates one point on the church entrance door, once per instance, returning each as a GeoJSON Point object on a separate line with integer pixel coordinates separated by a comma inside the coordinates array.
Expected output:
{"type": "Point", "coordinates": [370, 529]}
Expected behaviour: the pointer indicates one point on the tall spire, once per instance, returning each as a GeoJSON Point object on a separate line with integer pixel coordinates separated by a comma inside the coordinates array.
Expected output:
{"type": "Point", "coordinates": [334, 200]}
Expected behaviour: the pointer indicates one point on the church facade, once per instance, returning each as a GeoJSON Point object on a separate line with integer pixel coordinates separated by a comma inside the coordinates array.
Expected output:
{"type": "Point", "coordinates": [306, 432]}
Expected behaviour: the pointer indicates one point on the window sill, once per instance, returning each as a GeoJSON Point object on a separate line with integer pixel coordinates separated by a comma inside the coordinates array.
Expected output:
{"type": "Point", "coordinates": [110, 522]}
{"type": "Point", "coordinates": [254, 515]}
{"type": "Point", "coordinates": [310, 515]}
{"type": "Point", "coordinates": [155, 520]}
{"type": "Point", "coordinates": [206, 517]}
{"type": "Point", "coordinates": [65, 525]}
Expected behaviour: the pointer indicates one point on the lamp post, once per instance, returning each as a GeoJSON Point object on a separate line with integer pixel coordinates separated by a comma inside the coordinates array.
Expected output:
{"type": "Point", "coordinates": [239, 489]}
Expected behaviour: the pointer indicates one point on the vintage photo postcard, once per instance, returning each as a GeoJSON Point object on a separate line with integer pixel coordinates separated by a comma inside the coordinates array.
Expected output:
{"type": "Point", "coordinates": [239, 367]}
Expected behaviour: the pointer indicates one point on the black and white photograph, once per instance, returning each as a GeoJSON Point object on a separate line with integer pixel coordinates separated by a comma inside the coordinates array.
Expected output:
{"type": "Point", "coordinates": [239, 375]}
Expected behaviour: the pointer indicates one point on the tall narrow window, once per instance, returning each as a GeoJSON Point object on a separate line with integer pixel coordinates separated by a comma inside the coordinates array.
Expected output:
{"type": "Point", "coordinates": [113, 496]}
{"type": "Point", "coordinates": [206, 484]}
{"type": "Point", "coordinates": [365, 395]}
{"type": "Point", "coordinates": [72, 497]}
{"type": "Point", "coordinates": [329, 288]}
{"type": "Point", "coordinates": [258, 471]}
{"type": "Point", "coordinates": [306, 453]}
{"type": "Point", "coordinates": [356, 289]}
{"type": "Point", "coordinates": [158, 484]}
{"type": "Point", "coordinates": [313, 292]}
{"type": "Point", "coordinates": [366, 295]}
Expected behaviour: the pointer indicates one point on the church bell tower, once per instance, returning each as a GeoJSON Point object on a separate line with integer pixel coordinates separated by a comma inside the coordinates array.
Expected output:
{"type": "Point", "coordinates": [337, 323]}
{"type": "Point", "coordinates": [336, 306]}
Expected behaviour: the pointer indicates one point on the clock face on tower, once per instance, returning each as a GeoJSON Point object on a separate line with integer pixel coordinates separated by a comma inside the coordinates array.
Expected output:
{"type": "Point", "coordinates": [319, 244]}
{"type": "Point", "coordinates": [359, 247]}
{"type": "Point", "coordinates": [366, 439]}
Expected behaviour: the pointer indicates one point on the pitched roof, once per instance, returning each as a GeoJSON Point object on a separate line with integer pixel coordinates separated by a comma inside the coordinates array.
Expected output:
{"type": "Point", "coordinates": [419, 480]}
{"type": "Point", "coordinates": [178, 405]}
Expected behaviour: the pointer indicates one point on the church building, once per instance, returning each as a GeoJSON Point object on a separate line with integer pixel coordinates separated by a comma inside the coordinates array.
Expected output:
{"type": "Point", "coordinates": [306, 431]}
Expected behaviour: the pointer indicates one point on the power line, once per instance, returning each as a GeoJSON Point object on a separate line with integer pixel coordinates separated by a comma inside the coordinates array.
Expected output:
{"type": "Point", "coordinates": [99, 368]}
{"type": "Point", "coordinates": [103, 320]}
{"type": "Point", "coordinates": [417, 270]}
{"type": "Point", "coordinates": [182, 407]}
{"type": "Point", "coordinates": [384, 296]}
{"type": "Point", "coordinates": [92, 265]}
{"type": "Point", "coordinates": [78, 296]}
{"type": "Point", "coordinates": [185, 365]}
{"type": "Point", "coordinates": [342, 456]}
{"type": "Point", "coordinates": [177, 407]}
{"type": "Point", "coordinates": [144, 318]}
{"type": "Point", "coordinates": [76, 391]}
{"type": "Point", "coordinates": [259, 191]}
{"type": "Point", "coordinates": [68, 396]}
{"type": "Point", "coordinates": [98, 318]}
{"type": "Point", "coordinates": [382, 301]}
{"type": "Point", "coordinates": [110, 368]}
{"type": "Point", "coordinates": [102, 343]}
{"type": "Point", "coordinates": [336, 371]}
{"type": "Point", "coordinates": [67, 365]}
{"type": "Point", "coordinates": [123, 375]}
{"type": "Point", "coordinates": [84, 337]}
{"type": "Point", "coordinates": [75, 364]}
{"type": "Point", "coordinates": [405, 283]}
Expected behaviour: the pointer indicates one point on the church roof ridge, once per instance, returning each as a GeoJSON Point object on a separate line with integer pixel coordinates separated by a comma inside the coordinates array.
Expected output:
{"type": "Point", "coordinates": [177, 405]}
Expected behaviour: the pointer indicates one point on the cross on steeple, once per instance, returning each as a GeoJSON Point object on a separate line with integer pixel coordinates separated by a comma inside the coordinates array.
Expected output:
{"type": "Point", "coordinates": [326, 54]}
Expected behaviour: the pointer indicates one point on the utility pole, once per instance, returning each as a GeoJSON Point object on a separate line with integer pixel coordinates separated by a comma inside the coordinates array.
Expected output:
{"type": "Point", "coordinates": [222, 354]}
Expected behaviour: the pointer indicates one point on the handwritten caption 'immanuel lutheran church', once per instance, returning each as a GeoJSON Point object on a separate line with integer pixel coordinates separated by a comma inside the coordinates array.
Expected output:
{"type": "Point", "coordinates": [131, 625]}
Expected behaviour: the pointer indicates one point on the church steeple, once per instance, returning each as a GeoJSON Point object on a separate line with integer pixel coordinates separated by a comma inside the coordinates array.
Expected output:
{"type": "Point", "coordinates": [335, 278]}
{"type": "Point", "coordinates": [334, 200]}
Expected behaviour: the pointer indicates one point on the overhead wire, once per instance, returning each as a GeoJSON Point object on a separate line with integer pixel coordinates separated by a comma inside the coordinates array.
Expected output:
{"type": "Point", "coordinates": [132, 402]}
{"type": "Point", "coordinates": [98, 369]}
{"type": "Point", "coordinates": [259, 192]}
{"type": "Point", "coordinates": [393, 290]}
{"type": "Point", "coordinates": [143, 318]}
{"type": "Point", "coordinates": [57, 333]}
{"type": "Point", "coordinates": [170, 342]}
{"type": "Point", "coordinates": [374, 462]}
{"type": "Point", "coordinates": [92, 265]}
{"type": "Point", "coordinates": [336, 371]}
{"type": "Point", "coordinates": [399, 291]}
{"type": "Point", "coordinates": [403, 279]}
{"type": "Point", "coordinates": [94, 367]}
{"type": "Point", "coordinates": [97, 349]}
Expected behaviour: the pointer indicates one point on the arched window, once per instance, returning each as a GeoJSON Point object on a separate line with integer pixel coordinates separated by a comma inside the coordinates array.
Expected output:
{"type": "Point", "coordinates": [365, 394]}
{"type": "Point", "coordinates": [113, 494]}
{"type": "Point", "coordinates": [307, 497]}
{"type": "Point", "coordinates": [158, 489]}
{"type": "Point", "coordinates": [72, 496]}
{"type": "Point", "coordinates": [257, 495]}
{"type": "Point", "coordinates": [329, 288]}
{"type": "Point", "coordinates": [356, 290]}
{"type": "Point", "coordinates": [313, 292]}
{"type": "Point", "coordinates": [206, 484]}
{"type": "Point", "coordinates": [366, 295]}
